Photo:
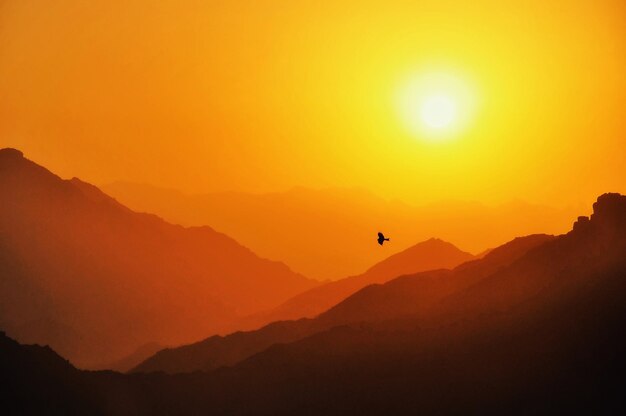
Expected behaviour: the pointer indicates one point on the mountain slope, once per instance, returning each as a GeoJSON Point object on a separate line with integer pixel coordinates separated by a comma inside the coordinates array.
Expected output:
{"type": "Point", "coordinates": [427, 255]}
{"type": "Point", "coordinates": [541, 334]}
{"type": "Point", "coordinates": [554, 347]}
{"type": "Point", "coordinates": [219, 351]}
{"type": "Point", "coordinates": [399, 297]}
{"type": "Point", "coordinates": [417, 293]}
{"type": "Point", "coordinates": [95, 280]}
{"type": "Point", "coordinates": [36, 380]}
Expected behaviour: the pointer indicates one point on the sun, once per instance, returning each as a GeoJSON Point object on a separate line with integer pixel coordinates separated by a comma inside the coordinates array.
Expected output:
{"type": "Point", "coordinates": [438, 111]}
{"type": "Point", "coordinates": [435, 106]}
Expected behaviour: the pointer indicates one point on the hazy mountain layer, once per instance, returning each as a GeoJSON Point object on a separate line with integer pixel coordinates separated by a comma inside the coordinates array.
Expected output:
{"type": "Point", "coordinates": [399, 297]}
{"type": "Point", "coordinates": [541, 333]}
{"type": "Point", "coordinates": [95, 280]}
{"type": "Point", "coordinates": [328, 234]}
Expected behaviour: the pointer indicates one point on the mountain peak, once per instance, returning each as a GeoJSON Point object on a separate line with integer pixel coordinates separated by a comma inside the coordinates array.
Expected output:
{"type": "Point", "coordinates": [435, 242]}
{"type": "Point", "coordinates": [609, 212]}
{"type": "Point", "coordinates": [9, 152]}
{"type": "Point", "coordinates": [433, 253]}
{"type": "Point", "coordinates": [10, 158]}
{"type": "Point", "coordinates": [72, 242]}
{"type": "Point", "coordinates": [610, 206]}
{"type": "Point", "coordinates": [432, 243]}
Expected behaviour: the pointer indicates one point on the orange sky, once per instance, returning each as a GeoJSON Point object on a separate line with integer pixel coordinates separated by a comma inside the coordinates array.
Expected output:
{"type": "Point", "coordinates": [264, 95]}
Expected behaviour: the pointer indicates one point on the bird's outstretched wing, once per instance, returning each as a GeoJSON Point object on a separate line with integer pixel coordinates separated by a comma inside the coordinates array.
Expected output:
{"type": "Point", "coordinates": [380, 235]}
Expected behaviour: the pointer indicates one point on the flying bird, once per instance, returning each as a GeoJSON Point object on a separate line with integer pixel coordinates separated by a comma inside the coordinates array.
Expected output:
{"type": "Point", "coordinates": [381, 239]}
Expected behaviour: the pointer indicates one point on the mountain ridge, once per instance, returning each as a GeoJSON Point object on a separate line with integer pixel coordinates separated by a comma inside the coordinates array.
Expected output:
{"type": "Point", "coordinates": [557, 350]}
{"type": "Point", "coordinates": [220, 351]}
{"type": "Point", "coordinates": [433, 253]}
{"type": "Point", "coordinates": [69, 253]}
{"type": "Point", "coordinates": [291, 225]}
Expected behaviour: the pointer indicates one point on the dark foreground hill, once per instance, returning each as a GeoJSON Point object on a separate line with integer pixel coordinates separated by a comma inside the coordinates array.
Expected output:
{"type": "Point", "coordinates": [95, 280]}
{"type": "Point", "coordinates": [540, 334]}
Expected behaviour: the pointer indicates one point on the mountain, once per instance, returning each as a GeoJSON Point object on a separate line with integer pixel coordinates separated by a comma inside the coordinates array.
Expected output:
{"type": "Point", "coordinates": [132, 360]}
{"type": "Point", "coordinates": [415, 294]}
{"type": "Point", "coordinates": [373, 303]}
{"type": "Point", "coordinates": [221, 351]}
{"type": "Point", "coordinates": [95, 280]}
{"type": "Point", "coordinates": [542, 334]}
{"type": "Point", "coordinates": [328, 233]}
{"type": "Point", "coordinates": [427, 255]}
{"type": "Point", "coordinates": [37, 380]}
{"type": "Point", "coordinates": [538, 332]}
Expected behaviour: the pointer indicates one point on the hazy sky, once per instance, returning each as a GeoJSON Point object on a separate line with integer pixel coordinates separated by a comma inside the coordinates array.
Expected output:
{"type": "Point", "coordinates": [264, 95]}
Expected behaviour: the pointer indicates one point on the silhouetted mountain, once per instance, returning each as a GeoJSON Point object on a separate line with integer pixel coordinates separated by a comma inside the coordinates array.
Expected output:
{"type": "Point", "coordinates": [219, 351]}
{"type": "Point", "coordinates": [543, 334]}
{"type": "Point", "coordinates": [292, 226]}
{"type": "Point", "coordinates": [132, 360]}
{"type": "Point", "coordinates": [415, 294]}
{"type": "Point", "coordinates": [95, 280]}
{"type": "Point", "coordinates": [36, 380]}
{"type": "Point", "coordinates": [428, 255]}
{"type": "Point", "coordinates": [536, 333]}
{"type": "Point", "coordinates": [397, 298]}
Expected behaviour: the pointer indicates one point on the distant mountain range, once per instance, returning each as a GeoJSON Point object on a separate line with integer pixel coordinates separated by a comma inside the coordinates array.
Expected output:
{"type": "Point", "coordinates": [78, 269]}
{"type": "Point", "coordinates": [218, 351]}
{"type": "Point", "coordinates": [534, 327]}
{"type": "Point", "coordinates": [96, 281]}
{"type": "Point", "coordinates": [327, 234]}
{"type": "Point", "coordinates": [373, 303]}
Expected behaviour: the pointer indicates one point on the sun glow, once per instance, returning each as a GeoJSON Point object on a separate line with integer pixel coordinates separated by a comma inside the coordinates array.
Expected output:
{"type": "Point", "coordinates": [436, 106]}
{"type": "Point", "coordinates": [438, 111]}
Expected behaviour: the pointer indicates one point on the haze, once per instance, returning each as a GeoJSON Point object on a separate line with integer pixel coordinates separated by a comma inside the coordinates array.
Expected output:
{"type": "Point", "coordinates": [263, 96]}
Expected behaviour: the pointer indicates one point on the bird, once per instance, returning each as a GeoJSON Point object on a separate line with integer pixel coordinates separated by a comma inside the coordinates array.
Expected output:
{"type": "Point", "coordinates": [381, 238]}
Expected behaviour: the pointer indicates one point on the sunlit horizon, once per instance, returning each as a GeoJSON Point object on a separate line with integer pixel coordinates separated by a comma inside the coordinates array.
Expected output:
{"type": "Point", "coordinates": [524, 102]}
